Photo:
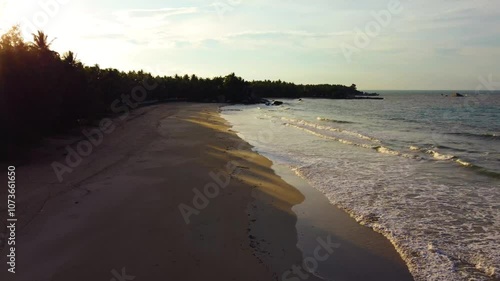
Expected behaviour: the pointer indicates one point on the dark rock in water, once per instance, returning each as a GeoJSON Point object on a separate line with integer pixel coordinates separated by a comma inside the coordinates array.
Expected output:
{"type": "Point", "coordinates": [457, 95]}
{"type": "Point", "coordinates": [277, 102]}
{"type": "Point", "coordinates": [265, 101]}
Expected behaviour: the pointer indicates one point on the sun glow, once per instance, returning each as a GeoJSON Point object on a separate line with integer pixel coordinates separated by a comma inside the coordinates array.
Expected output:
{"type": "Point", "coordinates": [7, 18]}
{"type": "Point", "coordinates": [14, 12]}
{"type": "Point", "coordinates": [31, 15]}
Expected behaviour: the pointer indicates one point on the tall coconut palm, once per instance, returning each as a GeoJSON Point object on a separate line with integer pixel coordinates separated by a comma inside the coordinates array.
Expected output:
{"type": "Point", "coordinates": [41, 41]}
{"type": "Point", "coordinates": [41, 45]}
{"type": "Point", "coordinates": [70, 59]}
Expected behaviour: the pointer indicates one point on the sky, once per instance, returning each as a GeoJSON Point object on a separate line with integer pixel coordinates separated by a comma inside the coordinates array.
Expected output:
{"type": "Point", "coordinates": [376, 44]}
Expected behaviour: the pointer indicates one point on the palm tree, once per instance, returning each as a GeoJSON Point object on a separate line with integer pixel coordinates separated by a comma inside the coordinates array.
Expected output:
{"type": "Point", "coordinates": [41, 41]}
{"type": "Point", "coordinates": [70, 59]}
{"type": "Point", "coordinates": [41, 46]}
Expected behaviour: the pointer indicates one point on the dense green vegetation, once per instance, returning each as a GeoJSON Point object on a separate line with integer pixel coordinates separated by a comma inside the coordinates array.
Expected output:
{"type": "Point", "coordinates": [43, 92]}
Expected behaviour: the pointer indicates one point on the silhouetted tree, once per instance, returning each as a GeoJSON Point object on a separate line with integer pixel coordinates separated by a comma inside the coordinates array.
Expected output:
{"type": "Point", "coordinates": [41, 41]}
{"type": "Point", "coordinates": [42, 93]}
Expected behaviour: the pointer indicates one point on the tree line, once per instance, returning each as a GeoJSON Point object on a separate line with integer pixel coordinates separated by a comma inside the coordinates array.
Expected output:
{"type": "Point", "coordinates": [43, 92]}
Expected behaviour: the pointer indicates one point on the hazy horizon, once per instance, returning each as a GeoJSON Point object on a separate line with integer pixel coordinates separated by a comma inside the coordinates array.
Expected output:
{"type": "Point", "coordinates": [423, 45]}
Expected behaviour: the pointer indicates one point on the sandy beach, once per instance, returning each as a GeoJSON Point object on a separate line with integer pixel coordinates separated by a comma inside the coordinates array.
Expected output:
{"type": "Point", "coordinates": [171, 194]}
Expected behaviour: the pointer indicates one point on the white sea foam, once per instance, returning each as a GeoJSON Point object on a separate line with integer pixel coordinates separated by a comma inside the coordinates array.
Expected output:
{"type": "Point", "coordinates": [445, 229]}
{"type": "Point", "coordinates": [464, 163]}
{"type": "Point", "coordinates": [413, 216]}
{"type": "Point", "coordinates": [328, 128]}
{"type": "Point", "coordinates": [332, 120]}
{"type": "Point", "coordinates": [439, 156]}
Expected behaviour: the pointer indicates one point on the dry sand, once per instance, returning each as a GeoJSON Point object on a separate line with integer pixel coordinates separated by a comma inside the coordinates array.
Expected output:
{"type": "Point", "coordinates": [119, 209]}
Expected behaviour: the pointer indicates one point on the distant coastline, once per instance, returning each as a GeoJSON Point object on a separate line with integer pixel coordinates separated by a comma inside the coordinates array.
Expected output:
{"type": "Point", "coordinates": [46, 93]}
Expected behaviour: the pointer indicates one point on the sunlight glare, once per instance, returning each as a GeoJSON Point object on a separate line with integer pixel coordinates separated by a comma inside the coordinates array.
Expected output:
{"type": "Point", "coordinates": [9, 14]}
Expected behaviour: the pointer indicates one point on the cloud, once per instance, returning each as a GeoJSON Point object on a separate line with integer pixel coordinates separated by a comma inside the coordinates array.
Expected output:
{"type": "Point", "coordinates": [447, 51]}
{"type": "Point", "coordinates": [458, 35]}
{"type": "Point", "coordinates": [276, 34]}
{"type": "Point", "coordinates": [291, 39]}
{"type": "Point", "coordinates": [162, 12]}
{"type": "Point", "coordinates": [111, 36]}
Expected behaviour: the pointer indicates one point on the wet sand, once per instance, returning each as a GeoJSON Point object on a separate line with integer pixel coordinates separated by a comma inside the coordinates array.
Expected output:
{"type": "Point", "coordinates": [117, 215]}
{"type": "Point", "coordinates": [174, 194]}
{"type": "Point", "coordinates": [362, 253]}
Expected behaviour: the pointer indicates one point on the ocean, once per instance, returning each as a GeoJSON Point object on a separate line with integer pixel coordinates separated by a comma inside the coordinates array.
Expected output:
{"type": "Point", "coordinates": [420, 167]}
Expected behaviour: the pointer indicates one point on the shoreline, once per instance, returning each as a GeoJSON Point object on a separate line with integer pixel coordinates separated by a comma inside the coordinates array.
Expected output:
{"type": "Point", "coordinates": [118, 212]}
{"type": "Point", "coordinates": [360, 246]}
{"type": "Point", "coordinates": [391, 194]}
{"type": "Point", "coordinates": [364, 247]}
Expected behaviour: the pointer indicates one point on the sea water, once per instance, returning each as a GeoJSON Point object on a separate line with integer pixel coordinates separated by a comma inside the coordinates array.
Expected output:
{"type": "Point", "coordinates": [422, 168]}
